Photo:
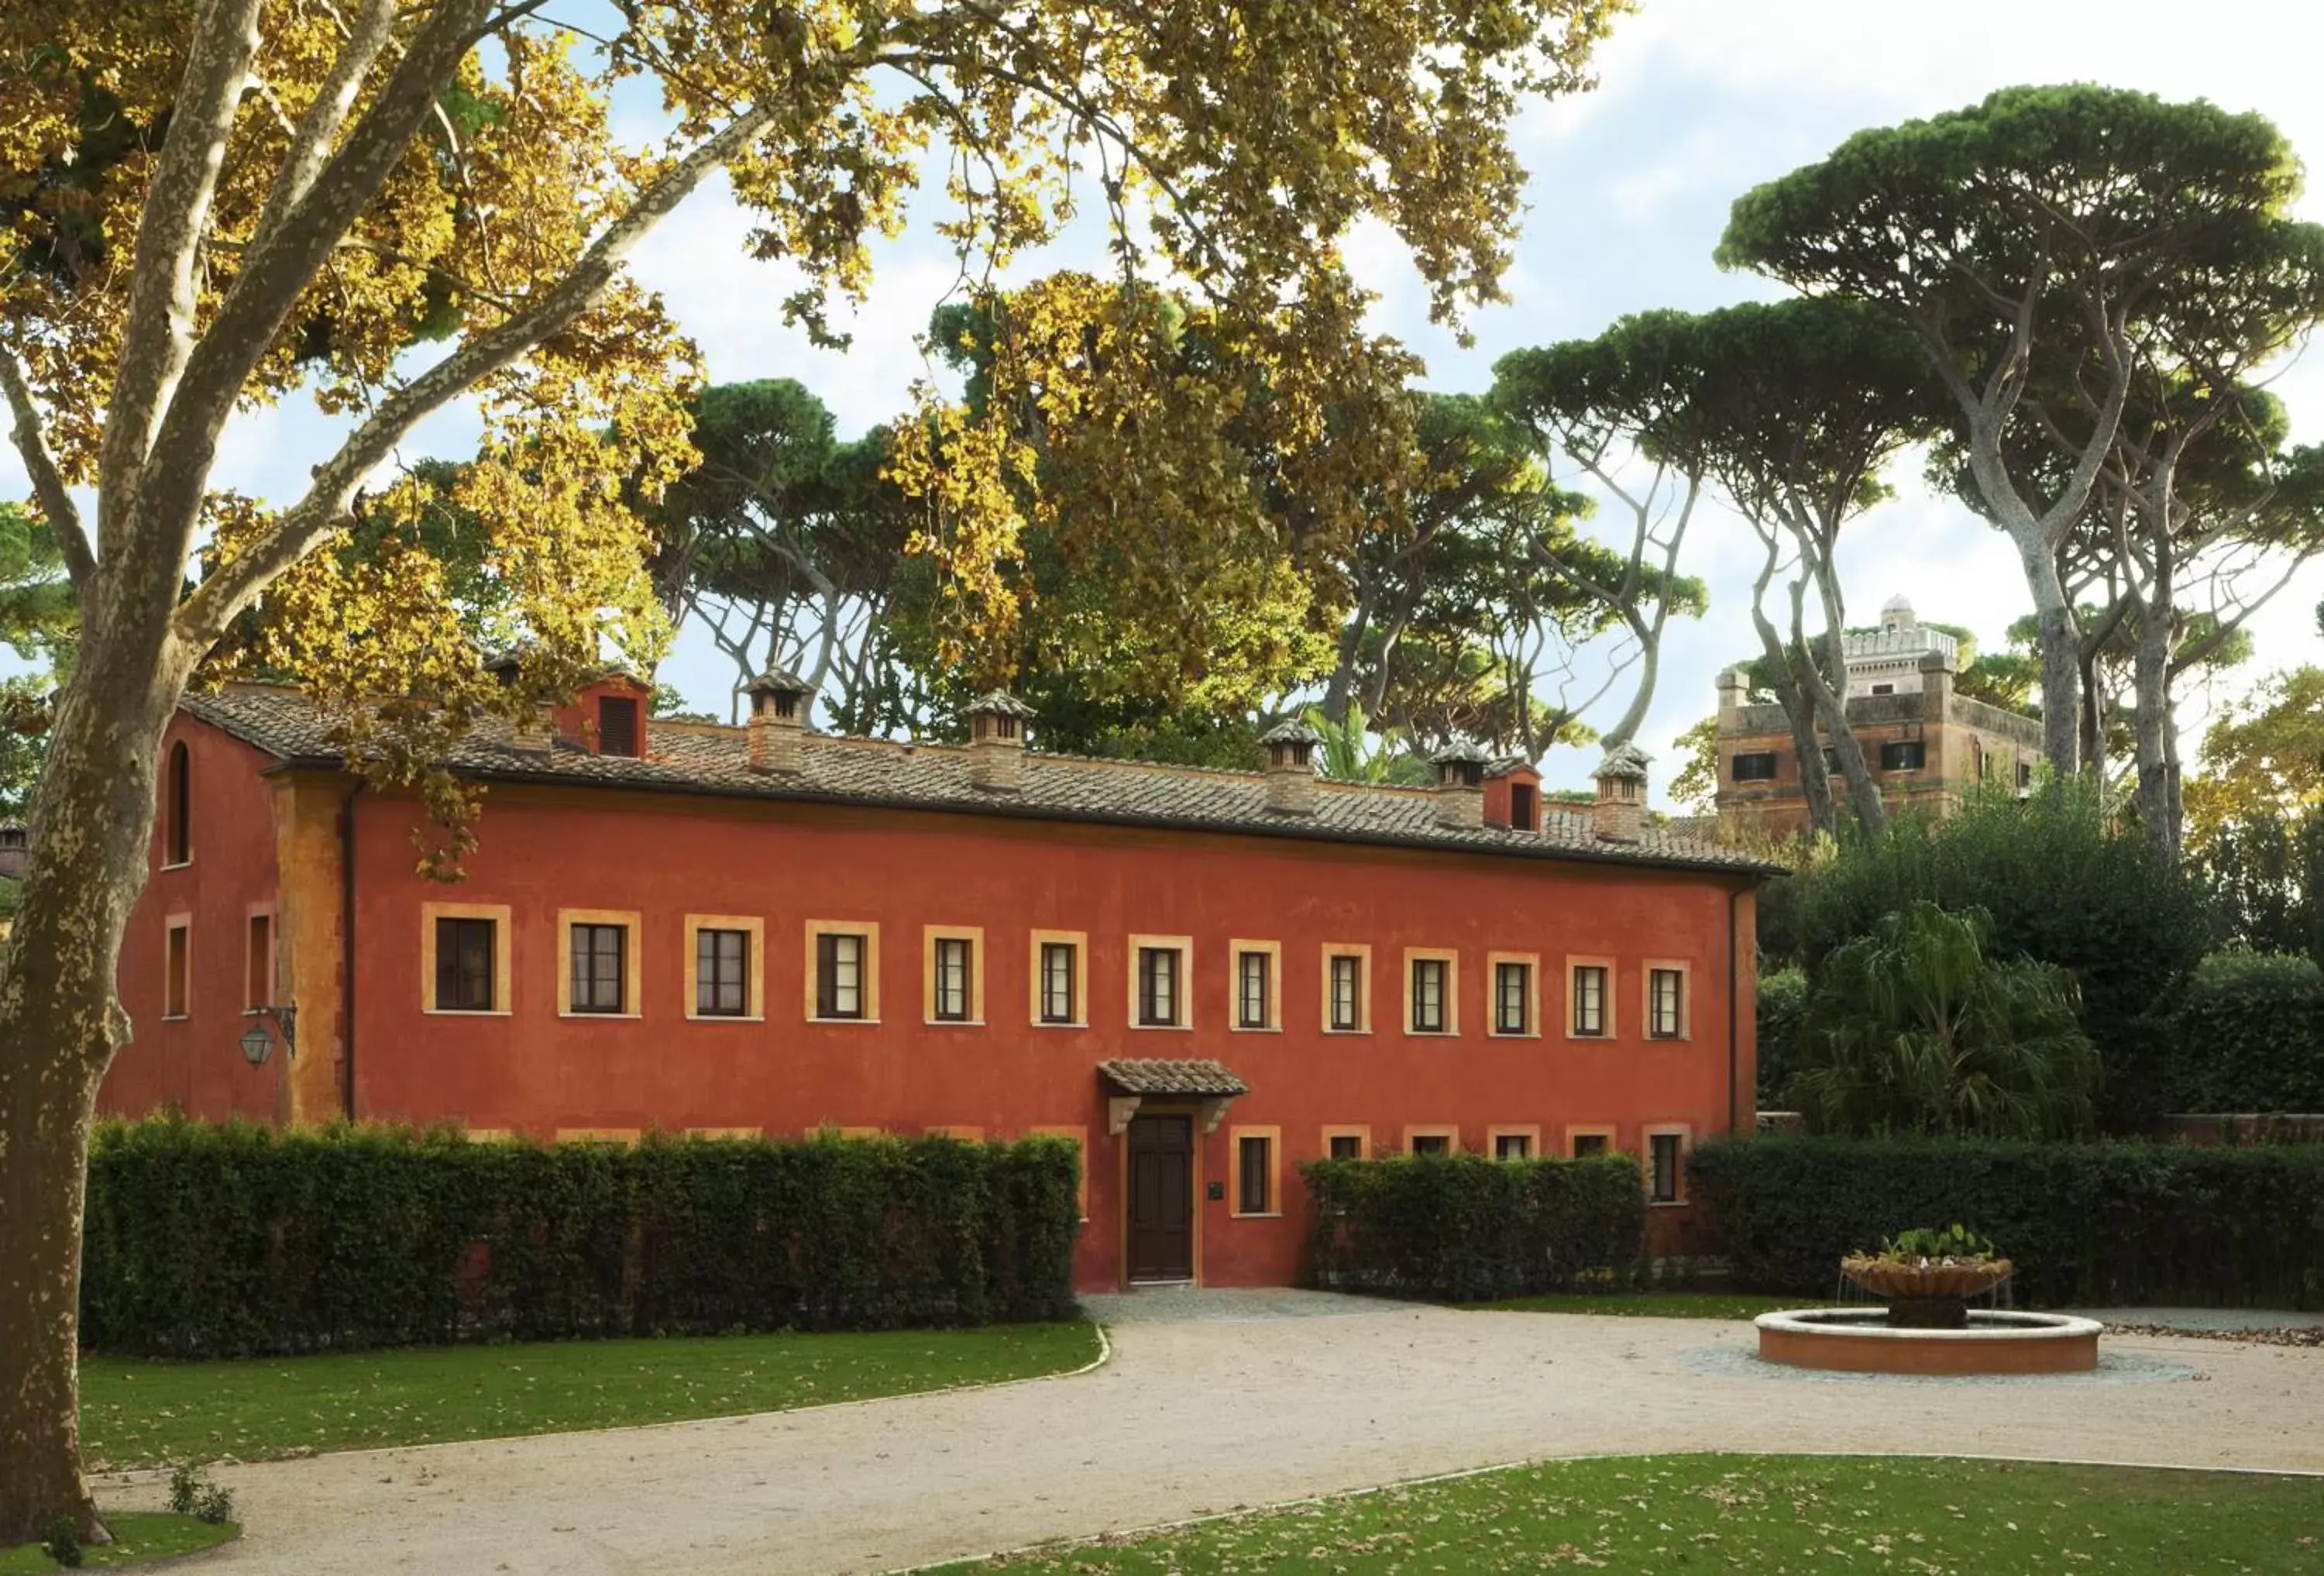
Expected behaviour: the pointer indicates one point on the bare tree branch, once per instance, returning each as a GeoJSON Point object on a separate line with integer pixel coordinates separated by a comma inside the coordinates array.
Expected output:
{"type": "Point", "coordinates": [312, 139]}
{"type": "Point", "coordinates": [157, 333]}
{"type": "Point", "coordinates": [48, 481]}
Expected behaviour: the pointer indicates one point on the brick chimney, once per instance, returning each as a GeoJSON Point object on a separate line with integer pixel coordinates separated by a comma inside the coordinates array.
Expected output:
{"type": "Point", "coordinates": [1291, 767]}
{"type": "Point", "coordinates": [538, 734]}
{"type": "Point", "coordinates": [1619, 814]}
{"type": "Point", "coordinates": [776, 731]}
{"type": "Point", "coordinates": [1460, 785]}
{"type": "Point", "coordinates": [996, 741]}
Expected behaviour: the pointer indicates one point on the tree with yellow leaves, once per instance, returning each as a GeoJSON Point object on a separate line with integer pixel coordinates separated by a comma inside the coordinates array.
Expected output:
{"type": "Point", "coordinates": [390, 205]}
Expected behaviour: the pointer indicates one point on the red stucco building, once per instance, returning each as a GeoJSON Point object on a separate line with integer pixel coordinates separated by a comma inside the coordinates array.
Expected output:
{"type": "Point", "coordinates": [1202, 977]}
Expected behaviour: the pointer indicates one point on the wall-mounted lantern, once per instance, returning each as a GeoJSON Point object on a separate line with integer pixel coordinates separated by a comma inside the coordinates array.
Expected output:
{"type": "Point", "coordinates": [258, 1040]}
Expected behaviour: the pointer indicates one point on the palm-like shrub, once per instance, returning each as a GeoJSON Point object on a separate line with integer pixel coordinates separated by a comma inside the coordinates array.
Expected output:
{"type": "Point", "coordinates": [1914, 1029]}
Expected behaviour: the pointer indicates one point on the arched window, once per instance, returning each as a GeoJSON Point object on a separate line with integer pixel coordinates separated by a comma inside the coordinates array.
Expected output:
{"type": "Point", "coordinates": [179, 847]}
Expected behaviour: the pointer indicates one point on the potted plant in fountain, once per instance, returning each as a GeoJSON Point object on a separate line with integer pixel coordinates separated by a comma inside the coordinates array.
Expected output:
{"type": "Point", "coordinates": [1928, 1276]}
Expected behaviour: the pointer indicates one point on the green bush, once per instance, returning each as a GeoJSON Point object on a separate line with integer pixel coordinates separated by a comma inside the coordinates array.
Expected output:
{"type": "Point", "coordinates": [2249, 1036]}
{"type": "Point", "coordinates": [2064, 883]}
{"type": "Point", "coordinates": [214, 1241]}
{"type": "Point", "coordinates": [1917, 1029]}
{"type": "Point", "coordinates": [1783, 1003]}
{"type": "Point", "coordinates": [1463, 1228]}
{"type": "Point", "coordinates": [2096, 1224]}
{"type": "Point", "coordinates": [2265, 877]}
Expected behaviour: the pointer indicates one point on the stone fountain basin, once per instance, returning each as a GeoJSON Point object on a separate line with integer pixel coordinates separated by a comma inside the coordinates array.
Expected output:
{"type": "Point", "coordinates": [1862, 1341]}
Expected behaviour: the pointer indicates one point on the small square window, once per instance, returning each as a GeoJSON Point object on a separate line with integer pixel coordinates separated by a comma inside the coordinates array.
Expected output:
{"type": "Point", "coordinates": [1347, 976]}
{"type": "Point", "coordinates": [1884, 689]}
{"type": "Point", "coordinates": [1057, 971]}
{"type": "Point", "coordinates": [1589, 1000]}
{"type": "Point", "coordinates": [464, 966]}
{"type": "Point", "coordinates": [1663, 1160]}
{"type": "Point", "coordinates": [1513, 1146]}
{"type": "Point", "coordinates": [721, 973]}
{"type": "Point", "coordinates": [1902, 755]}
{"type": "Point", "coordinates": [1431, 1144]}
{"type": "Point", "coordinates": [1347, 1147]}
{"type": "Point", "coordinates": [1588, 1146]}
{"type": "Point", "coordinates": [1254, 1004]}
{"type": "Point", "coordinates": [953, 958]}
{"type": "Point", "coordinates": [839, 981]}
{"type": "Point", "coordinates": [1430, 982]}
{"type": "Point", "coordinates": [1753, 766]}
{"type": "Point", "coordinates": [1158, 1005]}
{"type": "Point", "coordinates": [1665, 1003]}
{"type": "Point", "coordinates": [1512, 998]}
{"type": "Point", "coordinates": [598, 954]}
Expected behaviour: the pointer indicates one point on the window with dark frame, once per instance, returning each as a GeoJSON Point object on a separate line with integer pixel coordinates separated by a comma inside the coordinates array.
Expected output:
{"type": "Point", "coordinates": [181, 847]}
{"type": "Point", "coordinates": [177, 964]}
{"type": "Point", "coordinates": [2024, 774]}
{"type": "Point", "coordinates": [1347, 1147]}
{"type": "Point", "coordinates": [1589, 1000]}
{"type": "Point", "coordinates": [1057, 1004]}
{"type": "Point", "coordinates": [598, 977]}
{"type": "Point", "coordinates": [1525, 807]}
{"type": "Point", "coordinates": [1831, 759]}
{"type": "Point", "coordinates": [258, 962]}
{"type": "Point", "coordinates": [1428, 990]}
{"type": "Point", "coordinates": [953, 961]}
{"type": "Point", "coordinates": [1157, 987]}
{"type": "Point", "coordinates": [464, 966]}
{"type": "Point", "coordinates": [839, 975]}
{"type": "Point", "coordinates": [617, 725]}
{"type": "Point", "coordinates": [1254, 1172]}
{"type": "Point", "coordinates": [1512, 1145]}
{"type": "Point", "coordinates": [721, 973]}
{"type": "Point", "coordinates": [1347, 992]}
{"type": "Point", "coordinates": [1662, 1152]}
{"type": "Point", "coordinates": [1884, 689]}
{"type": "Point", "coordinates": [1252, 1007]}
{"type": "Point", "coordinates": [1431, 1144]}
{"type": "Point", "coordinates": [1587, 1145]}
{"type": "Point", "coordinates": [1665, 1003]}
{"type": "Point", "coordinates": [1753, 766]}
{"type": "Point", "coordinates": [1903, 755]}
{"type": "Point", "coordinates": [1512, 998]}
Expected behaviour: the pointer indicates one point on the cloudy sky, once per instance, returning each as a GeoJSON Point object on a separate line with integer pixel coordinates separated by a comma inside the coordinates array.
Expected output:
{"type": "Point", "coordinates": [1699, 100]}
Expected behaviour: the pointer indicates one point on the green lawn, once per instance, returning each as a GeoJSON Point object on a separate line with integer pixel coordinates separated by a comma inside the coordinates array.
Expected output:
{"type": "Point", "coordinates": [137, 1538]}
{"type": "Point", "coordinates": [1654, 1305]}
{"type": "Point", "coordinates": [137, 1412]}
{"type": "Point", "coordinates": [1780, 1516]}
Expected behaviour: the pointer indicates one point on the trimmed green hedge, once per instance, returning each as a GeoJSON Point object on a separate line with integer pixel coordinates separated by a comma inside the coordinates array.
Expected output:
{"type": "Point", "coordinates": [236, 1240]}
{"type": "Point", "coordinates": [2250, 1035]}
{"type": "Point", "coordinates": [2096, 1224]}
{"type": "Point", "coordinates": [1462, 1228]}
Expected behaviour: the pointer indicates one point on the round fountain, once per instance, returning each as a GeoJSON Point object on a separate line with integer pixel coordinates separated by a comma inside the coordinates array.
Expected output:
{"type": "Point", "coordinates": [1924, 1324]}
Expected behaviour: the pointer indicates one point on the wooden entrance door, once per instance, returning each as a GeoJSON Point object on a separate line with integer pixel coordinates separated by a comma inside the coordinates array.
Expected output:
{"type": "Point", "coordinates": [1162, 1198]}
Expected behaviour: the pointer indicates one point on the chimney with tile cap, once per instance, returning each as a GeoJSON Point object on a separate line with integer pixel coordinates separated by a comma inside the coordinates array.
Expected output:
{"type": "Point", "coordinates": [1291, 767]}
{"type": "Point", "coordinates": [1619, 814]}
{"type": "Point", "coordinates": [537, 732]}
{"type": "Point", "coordinates": [1460, 785]}
{"type": "Point", "coordinates": [996, 741]}
{"type": "Point", "coordinates": [776, 731]}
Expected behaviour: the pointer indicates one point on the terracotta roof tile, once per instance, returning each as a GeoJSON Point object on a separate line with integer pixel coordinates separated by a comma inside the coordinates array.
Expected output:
{"type": "Point", "coordinates": [699, 758]}
{"type": "Point", "coordinates": [1142, 1076]}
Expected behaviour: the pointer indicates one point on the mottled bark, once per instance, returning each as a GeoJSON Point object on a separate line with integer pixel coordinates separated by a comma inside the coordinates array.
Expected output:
{"type": "Point", "coordinates": [60, 1026]}
{"type": "Point", "coordinates": [1828, 695]}
{"type": "Point", "coordinates": [1815, 779]}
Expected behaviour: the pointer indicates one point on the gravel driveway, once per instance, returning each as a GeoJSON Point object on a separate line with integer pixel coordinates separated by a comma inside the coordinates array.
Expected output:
{"type": "Point", "coordinates": [1223, 1405]}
